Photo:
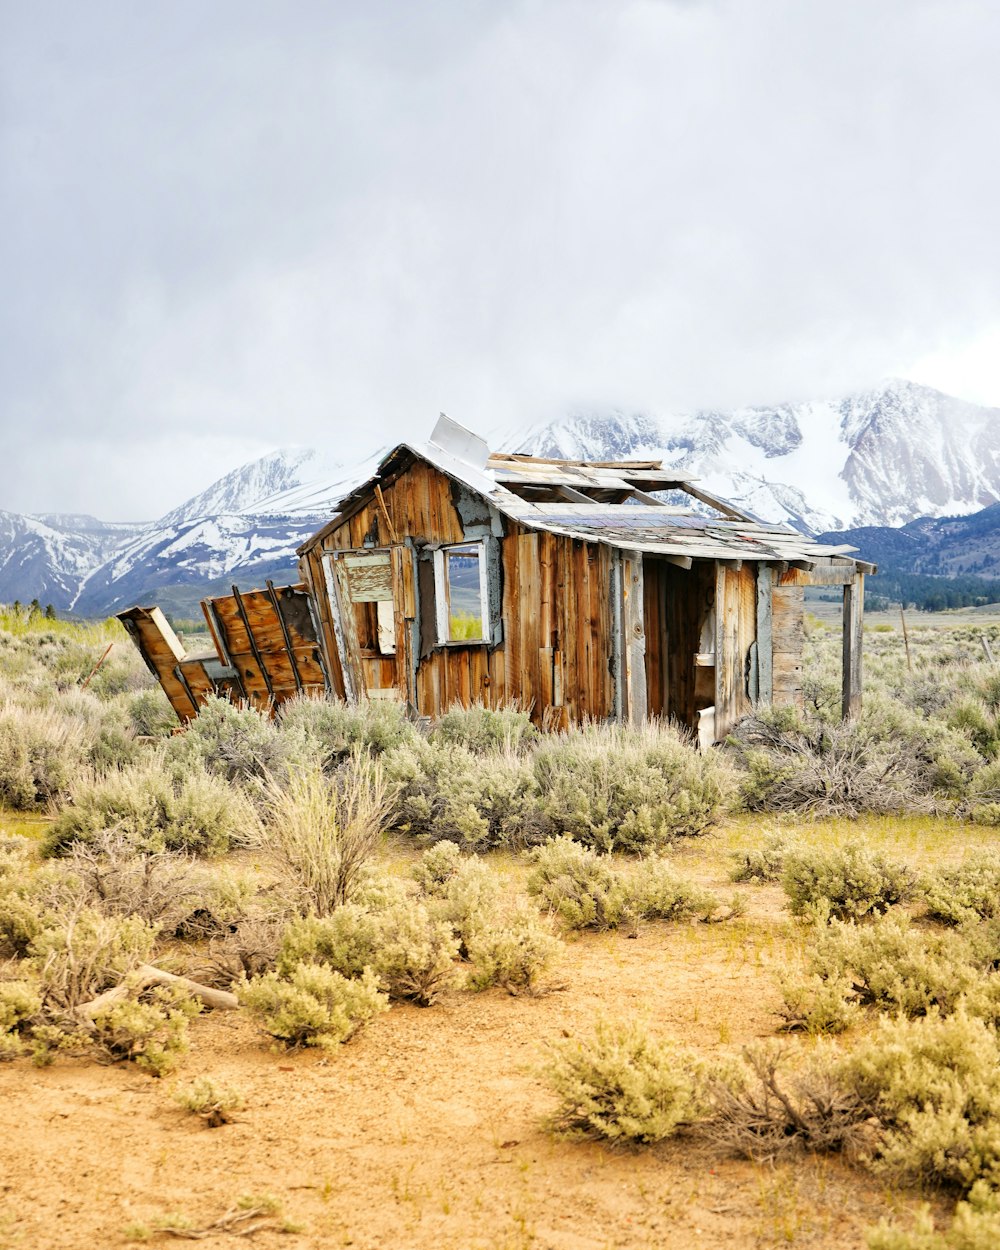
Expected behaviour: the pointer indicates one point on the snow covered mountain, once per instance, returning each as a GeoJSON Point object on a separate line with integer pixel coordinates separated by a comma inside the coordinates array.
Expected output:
{"type": "Point", "coordinates": [46, 557]}
{"type": "Point", "coordinates": [880, 458]}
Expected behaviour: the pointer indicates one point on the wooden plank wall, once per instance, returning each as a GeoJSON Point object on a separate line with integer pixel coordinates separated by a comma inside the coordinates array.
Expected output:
{"type": "Point", "coordinates": [736, 629]}
{"type": "Point", "coordinates": [788, 638]}
{"type": "Point", "coordinates": [556, 610]}
{"type": "Point", "coordinates": [270, 673]}
{"type": "Point", "coordinates": [161, 651]}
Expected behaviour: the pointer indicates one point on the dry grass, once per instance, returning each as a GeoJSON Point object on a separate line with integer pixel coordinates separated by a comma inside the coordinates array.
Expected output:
{"type": "Point", "coordinates": [319, 832]}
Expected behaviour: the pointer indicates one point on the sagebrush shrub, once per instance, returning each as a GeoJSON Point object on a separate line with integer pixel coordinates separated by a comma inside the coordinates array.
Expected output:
{"type": "Point", "coordinates": [934, 1086]}
{"type": "Point", "coordinates": [210, 1101]}
{"type": "Point", "coordinates": [411, 954]}
{"type": "Point", "coordinates": [845, 882]}
{"type": "Point", "coordinates": [155, 808]}
{"type": "Point", "coordinates": [765, 1106]}
{"type": "Point", "coordinates": [112, 877]}
{"type": "Point", "coordinates": [513, 948]}
{"type": "Point", "coordinates": [623, 1085]}
{"type": "Point", "coordinates": [485, 729]}
{"type": "Point", "coordinates": [613, 787]}
{"type": "Point", "coordinates": [975, 1225]}
{"type": "Point", "coordinates": [478, 801]}
{"type": "Point", "coordinates": [235, 742]}
{"type": "Point", "coordinates": [896, 968]}
{"type": "Point", "coordinates": [41, 753]}
{"type": "Point", "coordinates": [314, 1005]}
{"type": "Point", "coordinates": [148, 1029]}
{"type": "Point", "coordinates": [966, 893]}
{"type": "Point", "coordinates": [467, 900]}
{"type": "Point", "coordinates": [885, 762]}
{"type": "Point", "coordinates": [86, 953]}
{"type": "Point", "coordinates": [335, 729]}
{"type": "Point", "coordinates": [582, 888]}
{"type": "Point", "coordinates": [764, 863]}
{"type": "Point", "coordinates": [589, 891]}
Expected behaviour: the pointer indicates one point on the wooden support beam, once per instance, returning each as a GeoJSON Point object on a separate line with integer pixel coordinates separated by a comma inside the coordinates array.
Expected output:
{"type": "Point", "coordinates": [765, 635]}
{"type": "Point", "coordinates": [180, 675]}
{"type": "Point", "coordinates": [276, 604]}
{"type": "Point", "coordinates": [634, 638]}
{"type": "Point", "coordinates": [645, 497]}
{"type": "Point", "coordinates": [616, 659]}
{"type": "Point", "coordinates": [570, 495]}
{"type": "Point", "coordinates": [682, 562]}
{"type": "Point", "coordinates": [241, 609]}
{"type": "Point", "coordinates": [720, 505]}
{"type": "Point", "coordinates": [854, 608]}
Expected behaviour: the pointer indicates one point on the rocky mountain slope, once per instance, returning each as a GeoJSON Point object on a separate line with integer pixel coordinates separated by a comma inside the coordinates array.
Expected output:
{"type": "Point", "coordinates": [882, 457]}
{"type": "Point", "coordinates": [897, 455]}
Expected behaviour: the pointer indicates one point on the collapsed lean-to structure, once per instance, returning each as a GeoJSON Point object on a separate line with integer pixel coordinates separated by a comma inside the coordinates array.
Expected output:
{"type": "Point", "coordinates": [454, 575]}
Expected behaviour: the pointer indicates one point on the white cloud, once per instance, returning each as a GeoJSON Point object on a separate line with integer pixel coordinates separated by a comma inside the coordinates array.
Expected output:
{"type": "Point", "coordinates": [238, 226]}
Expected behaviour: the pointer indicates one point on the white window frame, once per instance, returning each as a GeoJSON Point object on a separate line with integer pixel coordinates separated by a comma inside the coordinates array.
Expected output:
{"type": "Point", "coordinates": [442, 598]}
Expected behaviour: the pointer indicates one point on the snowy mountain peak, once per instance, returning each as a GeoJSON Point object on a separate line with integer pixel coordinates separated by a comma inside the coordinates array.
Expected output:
{"type": "Point", "coordinates": [248, 488]}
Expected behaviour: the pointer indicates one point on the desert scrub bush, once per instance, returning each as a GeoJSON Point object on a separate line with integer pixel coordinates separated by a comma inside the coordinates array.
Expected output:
{"type": "Point", "coordinates": [214, 1103]}
{"type": "Point", "coordinates": [898, 969]}
{"type": "Point", "coordinates": [847, 882]}
{"type": "Point", "coordinates": [584, 889]}
{"type": "Point", "coordinates": [763, 863]}
{"type": "Point", "coordinates": [41, 752]}
{"type": "Point", "coordinates": [147, 1028]}
{"type": "Point", "coordinates": [933, 1084]}
{"type": "Point", "coordinates": [612, 787]}
{"type": "Point", "coordinates": [975, 1225]}
{"type": "Point", "coordinates": [966, 893]}
{"type": "Point", "coordinates": [483, 729]}
{"type": "Point", "coordinates": [156, 808]}
{"type": "Point", "coordinates": [479, 801]}
{"type": "Point", "coordinates": [466, 897]}
{"type": "Point", "coordinates": [318, 832]}
{"type": "Point", "coordinates": [766, 1105]}
{"type": "Point", "coordinates": [20, 1003]}
{"type": "Point", "coordinates": [111, 876]}
{"type": "Point", "coordinates": [314, 1005]}
{"type": "Point", "coordinates": [236, 743]}
{"type": "Point", "coordinates": [623, 1085]}
{"type": "Point", "coordinates": [334, 729]}
{"type": "Point", "coordinates": [437, 866]}
{"type": "Point", "coordinates": [589, 891]}
{"type": "Point", "coordinates": [793, 764]}
{"type": "Point", "coordinates": [87, 953]}
{"type": "Point", "coordinates": [411, 954]}
{"type": "Point", "coordinates": [149, 713]}
{"type": "Point", "coordinates": [513, 948]}
{"type": "Point", "coordinates": [816, 1004]}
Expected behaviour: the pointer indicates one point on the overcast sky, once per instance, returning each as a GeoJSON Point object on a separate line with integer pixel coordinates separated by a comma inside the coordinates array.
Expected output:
{"type": "Point", "coordinates": [232, 226]}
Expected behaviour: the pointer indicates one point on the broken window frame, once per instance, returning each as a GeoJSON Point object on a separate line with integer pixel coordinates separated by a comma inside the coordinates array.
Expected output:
{"type": "Point", "coordinates": [442, 595]}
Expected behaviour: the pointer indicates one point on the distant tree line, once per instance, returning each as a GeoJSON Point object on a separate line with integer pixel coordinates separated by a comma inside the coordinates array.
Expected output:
{"type": "Point", "coordinates": [931, 594]}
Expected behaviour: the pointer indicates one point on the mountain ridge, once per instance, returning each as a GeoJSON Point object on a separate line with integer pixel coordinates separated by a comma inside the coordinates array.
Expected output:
{"type": "Point", "coordinates": [893, 455]}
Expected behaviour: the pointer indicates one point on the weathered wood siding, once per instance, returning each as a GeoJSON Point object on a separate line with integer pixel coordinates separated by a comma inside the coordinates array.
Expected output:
{"type": "Point", "coordinates": [736, 630]}
{"type": "Point", "coordinates": [162, 652]}
{"type": "Point", "coordinates": [269, 638]}
{"type": "Point", "coordinates": [788, 634]}
{"type": "Point", "coordinates": [556, 646]}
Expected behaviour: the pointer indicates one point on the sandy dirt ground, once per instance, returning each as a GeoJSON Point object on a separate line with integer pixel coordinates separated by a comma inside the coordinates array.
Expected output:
{"type": "Point", "coordinates": [426, 1130]}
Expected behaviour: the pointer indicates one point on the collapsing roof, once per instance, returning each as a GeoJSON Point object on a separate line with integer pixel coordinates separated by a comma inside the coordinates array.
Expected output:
{"type": "Point", "coordinates": [581, 589]}
{"type": "Point", "coordinates": [610, 502]}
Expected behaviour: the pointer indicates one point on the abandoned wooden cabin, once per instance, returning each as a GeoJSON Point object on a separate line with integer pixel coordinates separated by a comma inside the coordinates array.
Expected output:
{"type": "Point", "coordinates": [576, 589]}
